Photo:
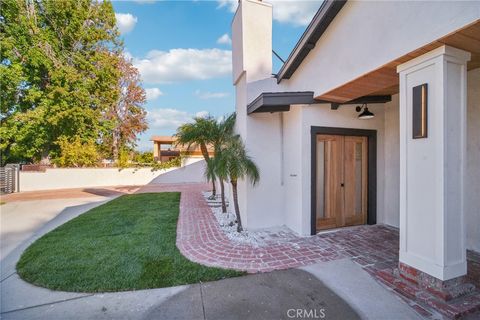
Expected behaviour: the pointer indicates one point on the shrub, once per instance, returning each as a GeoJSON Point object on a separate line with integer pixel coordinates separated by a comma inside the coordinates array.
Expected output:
{"type": "Point", "coordinates": [123, 158]}
{"type": "Point", "coordinates": [175, 162]}
{"type": "Point", "coordinates": [75, 153]}
{"type": "Point", "coordinates": [143, 158]}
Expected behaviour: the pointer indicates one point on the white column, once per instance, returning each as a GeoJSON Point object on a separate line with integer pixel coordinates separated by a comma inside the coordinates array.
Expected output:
{"type": "Point", "coordinates": [432, 230]}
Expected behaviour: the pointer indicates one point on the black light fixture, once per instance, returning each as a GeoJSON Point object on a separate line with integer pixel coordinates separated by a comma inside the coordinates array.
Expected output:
{"type": "Point", "coordinates": [366, 114]}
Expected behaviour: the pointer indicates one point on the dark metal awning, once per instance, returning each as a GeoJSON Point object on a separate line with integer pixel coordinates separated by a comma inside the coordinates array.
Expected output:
{"type": "Point", "coordinates": [279, 101]}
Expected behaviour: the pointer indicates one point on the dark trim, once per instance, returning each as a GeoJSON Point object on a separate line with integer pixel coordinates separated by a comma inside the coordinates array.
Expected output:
{"type": "Point", "coordinates": [320, 22]}
{"type": "Point", "coordinates": [362, 100]}
{"type": "Point", "coordinates": [279, 101]}
{"type": "Point", "coordinates": [372, 169]}
{"type": "Point", "coordinates": [370, 100]}
{"type": "Point", "coordinates": [169, 153]}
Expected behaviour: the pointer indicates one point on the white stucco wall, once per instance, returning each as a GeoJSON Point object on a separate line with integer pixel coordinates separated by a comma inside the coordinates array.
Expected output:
{"type": "Point", "coordinates": [472, 179]}
{"type": "Point", "coordinates": [344, 117]}
{"type": "Point", "coordinates": [342, 54]}
{"type": "Point", "coordinates": [350, 46]}
{"type": "Point", "coordinates": [283, 195]}
{"type": "Point", "coordinates": [85, 177]}
{"type": "Point", "coordinates": [392, 163]}
{"type": "Point", "coordinates": [252, 31]}
{"type": "Point", "coordinates": [432, 169]}
{"type": "Point", "coordinates": [293, 169]}
{"type": "Point", "coordinates": [264, 207]}
{"type": "Point", "coordinates": [64, 178]}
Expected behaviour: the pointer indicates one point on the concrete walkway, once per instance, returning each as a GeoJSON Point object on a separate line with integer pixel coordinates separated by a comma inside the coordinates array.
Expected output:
{"type": "Point", "coordinates": [324, 287]}
{"type": "Point", "coordinates": [316, 290]}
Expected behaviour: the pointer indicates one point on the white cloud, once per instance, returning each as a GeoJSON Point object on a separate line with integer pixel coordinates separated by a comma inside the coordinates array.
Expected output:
{"type": "Point", "coordinates": [145, 1]}
{"type": "Point", "coordinates": [211, 95]}
{"type": "Point", "coordinates": [153, 93]}
{"type": "Point", "coordinates": [230, 4]}
{"type": "Point", "coordinates": [144, 143]}
{"type": "Point", "coordinates": [125, 22]}
{"type": "Point", "coordinates": [127, 55]}
{"type": "Point", "coordinates": [298, 13]}
{"type": "Point", "coordinates": [202, 114]}
{"type": "Point", "coordinates": [184, 64]}
{"type": "Point", "coordinates": [224, 39]}
{"type": "Point", "coordinates": [170, 119]}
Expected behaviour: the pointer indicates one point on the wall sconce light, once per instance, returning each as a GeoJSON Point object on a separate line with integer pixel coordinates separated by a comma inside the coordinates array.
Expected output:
{"type": "Point", "coordinates": [366, 114]}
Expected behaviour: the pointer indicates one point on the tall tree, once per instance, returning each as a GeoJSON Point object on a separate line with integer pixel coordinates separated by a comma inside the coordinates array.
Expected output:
{"type": "Point", "coordinates": [235, 163]}
{"type": "Point", "coordinates": [127, 116]}
{"type": "Point", "coordinates": [58, 71]}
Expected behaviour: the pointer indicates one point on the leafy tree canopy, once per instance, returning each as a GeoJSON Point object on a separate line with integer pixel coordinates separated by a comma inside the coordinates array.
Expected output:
{"type": "Point", "coordinates": [59, 75]}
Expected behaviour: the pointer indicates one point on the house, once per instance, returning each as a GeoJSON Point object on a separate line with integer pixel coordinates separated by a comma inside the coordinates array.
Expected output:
{"type": "Point", "coordinates": [165, 149]}
{"type": "Point", "coordinates": [374, 118]}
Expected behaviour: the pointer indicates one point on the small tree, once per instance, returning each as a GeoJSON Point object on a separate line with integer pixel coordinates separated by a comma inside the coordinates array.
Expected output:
{"type": "Point", "coordinates": [198, 133]}
{"type": "Point", "coordinates": [224, 131]}
{"type": "Point", "coordinates": [234, 162]}
{"type": "Point", "coordinates": [126, 117]}
{"type": "Point", "coordinates": [210, 172]}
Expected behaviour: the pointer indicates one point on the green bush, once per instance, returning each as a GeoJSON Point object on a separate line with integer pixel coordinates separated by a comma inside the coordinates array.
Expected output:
{"type": "Point", "coordinates": [143, 158]}
{"type": "Point", "coordinates": [175, 162]}
{"type": "Point", "coordinates": [75, 153]}
{"type": "Point", "coordinates": [123, 158]}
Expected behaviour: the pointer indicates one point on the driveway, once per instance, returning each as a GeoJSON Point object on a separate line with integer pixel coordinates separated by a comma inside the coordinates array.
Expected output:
{"type": "Point", "coordinates": [20, 220]}
{"type": "Point", "coordinates": [337, 289]}
{"type": "Point", "coordinates": [284, 294]}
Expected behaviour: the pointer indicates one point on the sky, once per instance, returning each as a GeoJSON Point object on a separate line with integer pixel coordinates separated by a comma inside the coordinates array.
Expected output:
{"type": "Point", "coordinates": [182, 50]}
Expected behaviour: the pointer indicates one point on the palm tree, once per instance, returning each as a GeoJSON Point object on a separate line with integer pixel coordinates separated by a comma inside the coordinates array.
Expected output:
{"type": "Point", "coordinates": [198, 133]}
{"type": "Point", "coordinates": [224, 131]}
{"type": "Point", "coordinates": [210, 173]}
{"type": "Point", "coordinates": [234, 162]}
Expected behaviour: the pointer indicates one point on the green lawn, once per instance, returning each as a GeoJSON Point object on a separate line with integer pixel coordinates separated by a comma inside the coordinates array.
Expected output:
{"type": "Point", "coordinates": [125, 244]}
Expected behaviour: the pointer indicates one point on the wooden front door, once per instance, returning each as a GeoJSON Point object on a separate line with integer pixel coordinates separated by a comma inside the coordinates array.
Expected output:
{"type": "Point", "coordinates": [341, 182]}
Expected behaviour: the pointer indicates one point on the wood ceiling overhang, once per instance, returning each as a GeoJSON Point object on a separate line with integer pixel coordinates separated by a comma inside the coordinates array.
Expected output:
{"type": "Point", "coordinates": [385, 80]}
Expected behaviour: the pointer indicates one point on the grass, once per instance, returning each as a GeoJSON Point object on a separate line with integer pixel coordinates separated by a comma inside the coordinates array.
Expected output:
{"type": "Point", "coordinates": [125, 244]}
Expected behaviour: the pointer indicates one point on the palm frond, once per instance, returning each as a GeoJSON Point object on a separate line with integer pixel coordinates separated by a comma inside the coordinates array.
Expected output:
{"type": "Point", "coordinates": [234, 162]}
{"type": "Point", "coordinates": [210, 170]}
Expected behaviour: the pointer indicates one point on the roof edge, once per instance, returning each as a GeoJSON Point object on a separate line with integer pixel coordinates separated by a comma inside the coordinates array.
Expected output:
{"type": "Point", "coordinates": [320, 22]}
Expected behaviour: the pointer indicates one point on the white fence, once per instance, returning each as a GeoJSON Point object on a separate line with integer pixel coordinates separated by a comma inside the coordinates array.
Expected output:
{"type": "Point", "coordinates": [65, 178]}
{"type": "Point", "coordinates": [85, 177]}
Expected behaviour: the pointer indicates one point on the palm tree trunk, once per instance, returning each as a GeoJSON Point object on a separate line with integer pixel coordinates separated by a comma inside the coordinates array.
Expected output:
{"type": "Point", "coordinates": [214, 189]}
{"type": "Point", "coordinates": [222, 190]}
{"type": "Point", "coordinates": [237, 209]}
{"type": "Point", "coordinates": [203, 148]}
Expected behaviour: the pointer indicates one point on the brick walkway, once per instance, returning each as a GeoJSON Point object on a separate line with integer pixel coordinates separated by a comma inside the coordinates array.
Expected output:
{"type": "Point", "coordinates": [374, 248]}
{"type": "Point", "coordinates": [200, 239]}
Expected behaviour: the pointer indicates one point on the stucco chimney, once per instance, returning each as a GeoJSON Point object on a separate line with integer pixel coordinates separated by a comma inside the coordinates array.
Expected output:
{"type": "Point", "coordinates": [252, 40]}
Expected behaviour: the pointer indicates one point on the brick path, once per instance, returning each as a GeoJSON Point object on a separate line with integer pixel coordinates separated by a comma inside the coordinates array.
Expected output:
{"type": "Point", "coordinates": [200, 239]}
{"type": "Point", "coordinates": [374, 248]}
